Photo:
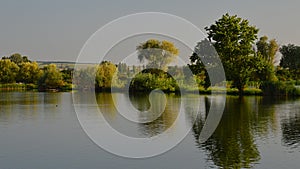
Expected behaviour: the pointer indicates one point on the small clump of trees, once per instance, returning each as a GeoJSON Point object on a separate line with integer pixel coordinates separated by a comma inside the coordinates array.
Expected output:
{"type": "Point", "coordinates": [20, 70]}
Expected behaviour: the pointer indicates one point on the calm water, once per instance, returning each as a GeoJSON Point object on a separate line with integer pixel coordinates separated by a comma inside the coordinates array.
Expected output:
{"type": "Point", "coordinates": [41, 130]}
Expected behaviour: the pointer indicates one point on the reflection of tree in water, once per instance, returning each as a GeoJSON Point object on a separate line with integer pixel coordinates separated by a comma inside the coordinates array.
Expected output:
{"type": "Point", "coordinates": [265, 119]}
{"type": "Point", "coordinates": [106, 105]}
{"type": "Point", "coordinates": [291, 128]}
{"type": "Point", "coordinates": [200, 118]}
{"type": "Point", "coordinates": [162, 122]}
{"type": "Point", "coordinates": [232, 144]}
{"type": "Point", "coordinates": [26, 104]}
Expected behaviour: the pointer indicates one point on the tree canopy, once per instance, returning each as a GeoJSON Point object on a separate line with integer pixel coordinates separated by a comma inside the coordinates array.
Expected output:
{"type": "Point", "coordinates": [158, 53]}
{"type": "Point", "coordinates": [17, 58]}
{"type": "Point", "coordinates": [291, 59]}
{"type": "Point", "coordinates": [29, 72]}
{"type": "Point", "coordinates": [233, 39]}
{"type": "Point", "coordinates": [290, 56]}
{"type": "Point", "coordinates": [51, 79]}
{"type": "Point", "coordinates": [267, 49]}
{"type": "Point", "coordinates": [8, 71]}
{"type": "Point", "coordinates": [104, 75]}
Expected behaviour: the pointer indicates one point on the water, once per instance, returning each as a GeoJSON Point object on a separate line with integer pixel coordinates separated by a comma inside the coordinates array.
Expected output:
{"type": "Point", "coordinates": [41, 130]}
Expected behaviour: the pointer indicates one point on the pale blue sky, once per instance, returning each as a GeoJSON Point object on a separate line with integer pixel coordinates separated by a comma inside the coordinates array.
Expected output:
{"type": "Point", "coordinates": [57, 29]}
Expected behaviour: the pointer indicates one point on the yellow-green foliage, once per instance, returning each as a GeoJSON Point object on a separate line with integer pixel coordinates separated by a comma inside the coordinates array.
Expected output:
{"type": "Point", "coordinates": [8, 71]}
{"type": "Point", "coordinates": [105, 74]}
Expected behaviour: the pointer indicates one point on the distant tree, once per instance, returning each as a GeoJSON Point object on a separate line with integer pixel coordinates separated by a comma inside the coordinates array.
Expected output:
{"type": "Point", "coordinates": [84, 79]}
{"type": "Point", "coordinates": [290, 56]}
{"type": "Point", "coordinates": [51, 79]}
{"type": "Point", "coordinates": [29, 72]}
{"type": "Point", "coordinates": [283, 74]}
{"type": "Point", "coordinates": [8, 71]}
{"type": "Point", "coordinates": [104, 75]}
{"type": "Point", "coordinates": [233, 38]}
{"type": "Point", "coordinates": [17, 58]}
{"type": "Point", "coordinates": [267, 49]}
{"type": "Point", "coordinates": [158, 53]}
{"type": "Point", "coordinates": [122, 68]}
{"type": "Point", "coordinates": [291, 59]}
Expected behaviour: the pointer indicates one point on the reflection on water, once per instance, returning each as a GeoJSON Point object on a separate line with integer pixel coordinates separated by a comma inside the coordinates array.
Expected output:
{"type": "Point", "coordinates": [233, 144]}
{"type": "Point", "coordinates": [245, 119]}
{"type": "Point", "coordinates": [253, 132]}
{"type": "Point", "coordinates": [165, 120]}
{"type": "Point", "coordinates": [159, 121]}
{"type": "Point", "coordinates": [29, 104]}
{"type": "Point", "coordinates": [290, 125]}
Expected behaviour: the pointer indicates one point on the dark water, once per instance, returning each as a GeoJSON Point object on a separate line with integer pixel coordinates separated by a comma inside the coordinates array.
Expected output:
{"type": "Point", "coordinates": [41, 130]}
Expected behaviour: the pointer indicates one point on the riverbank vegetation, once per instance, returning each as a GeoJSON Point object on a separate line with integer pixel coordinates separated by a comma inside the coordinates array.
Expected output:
{"type": "Point", "coordinates": [251, 65]}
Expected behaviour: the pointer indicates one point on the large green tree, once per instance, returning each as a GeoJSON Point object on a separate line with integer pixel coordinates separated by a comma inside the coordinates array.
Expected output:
{"type": "Point", "coordinates": [8, 71]}
{"type": "Point", "coordinates": [158, 53]}
{"type": "Point", "coordinates": [233, 39]}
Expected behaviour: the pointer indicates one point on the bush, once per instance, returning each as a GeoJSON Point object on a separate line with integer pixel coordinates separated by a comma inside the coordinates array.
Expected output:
{"type": "Point", "coordinates": [279, 88]}
{"type": "Point", "coordinates": [150, 80]}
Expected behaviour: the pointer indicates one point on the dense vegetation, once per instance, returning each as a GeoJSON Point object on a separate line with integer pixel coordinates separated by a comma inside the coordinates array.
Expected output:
{"type": "Point", "coordinates": [249, 62]}
{"type": "Point", "coordinates": [18, 72]}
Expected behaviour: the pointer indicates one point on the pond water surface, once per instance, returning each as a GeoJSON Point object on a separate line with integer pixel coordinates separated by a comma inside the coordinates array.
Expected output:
{"type": "Point", "coordinates": [41, 130]}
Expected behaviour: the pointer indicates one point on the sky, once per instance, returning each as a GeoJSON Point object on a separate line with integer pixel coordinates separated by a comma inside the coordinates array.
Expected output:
{"type": "Point", "coordinates": [56, 30]}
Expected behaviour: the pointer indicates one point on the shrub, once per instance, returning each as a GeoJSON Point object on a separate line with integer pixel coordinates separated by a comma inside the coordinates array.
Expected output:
{"type": "Point", "coordinates": [279, 88]}
{"type": "Point", "coordinates": [153, 79]}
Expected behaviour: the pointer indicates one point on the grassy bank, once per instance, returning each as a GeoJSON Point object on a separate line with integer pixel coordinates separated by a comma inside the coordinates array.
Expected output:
{"type": "Point", "coordinates": [30, 87]}
{"type": "Point", "coordinates": [17, 87]}
{"type": "Point", "coordinates": [277, 89]}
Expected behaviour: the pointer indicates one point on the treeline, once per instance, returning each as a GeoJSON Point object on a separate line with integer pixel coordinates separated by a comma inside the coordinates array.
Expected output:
{"type": "Point", "coordinates": [232, 44]}
{"type": "Point", "coordinates": [20, 72]}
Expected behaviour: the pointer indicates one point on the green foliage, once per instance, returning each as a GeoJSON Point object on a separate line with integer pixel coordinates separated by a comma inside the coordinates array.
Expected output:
{"type": "Point", "coordinates": [233, 38]}
{"type": "Point", "coordinates": [267, 49]}
{"type": "Point", "coordinates": [283, 74]}
{"type": "Point", "coordinates": [204, 59]}
{"type": "Point", "coordinates": [104, 75]}
{"type": "Point", "coordinates": [8, 71]}
{"type": "Point", "coordinates": [264, 69]}
{"type": "Point", "coordinates": [51, 79]}
{"type": "Point", "coordinates": [12, 87]}
{"type": "Point", "coordinates": [291, 59]}
{"type": "Point", "coordinates": [17, 58]}
{"type": "Point", "coordinates": [158, 53]}
{"type": "Point", "coordinates": [290, 56]}
{"type": "Point", "coordinates": [29, 72]}
{"type": "Point", "coordinates": [151, 79]}
{"type": "Point", "coordinates": [67, 75]}
{"type": "Point", "coordinates": [279, 88]}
